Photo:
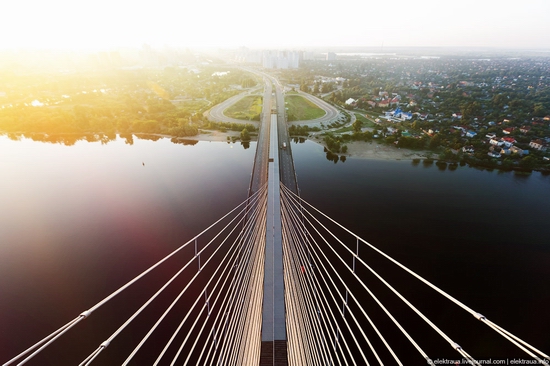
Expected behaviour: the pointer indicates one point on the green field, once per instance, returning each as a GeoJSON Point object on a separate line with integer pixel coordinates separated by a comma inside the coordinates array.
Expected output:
{"type": "Point", "coordinates": [366, 122]}
{"type": "Point", "coordinates": [301, 109]}
{"type": "Point", "coordinates": [248, 108]}
{"type": "Point", "coordinates": [194, 105]}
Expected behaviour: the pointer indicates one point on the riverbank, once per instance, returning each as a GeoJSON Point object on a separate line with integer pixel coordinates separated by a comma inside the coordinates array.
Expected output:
{"type": "Point", "coordinates": [375, 150]}
{"type": "Point", "coordinates": [213, 135]}
{"type": "Point", "coordinates": [356, 149]}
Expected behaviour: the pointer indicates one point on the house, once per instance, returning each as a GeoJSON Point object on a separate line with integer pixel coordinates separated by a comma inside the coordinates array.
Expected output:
{"type": "Point", "coordinates": [493, 154]}
{"type": "Point", "coordinates": [371, 103]}
{"type": "Point", "coordinates": [384, 103]}
{"type": "Point", "coordinates": [457, 115]}
{"type": "Point", "coordinates": [468, 149]}
{"type": "Point", "coordinates": [496, 142]}
{"type": "Point", "coordinates": [525, 129]}
{"type": "Point", "coordinates": [538, 144]}
{"type": "Point", "coordinates": [491, 135]}
{"type": "Point", "coordinates": [470, 133]}
{"type": "Point", "coordinates": [508, 130]}
{"type": "Point", "coordinates": [406, 116]}
{"type": "Point", "coordinates": [350, 101]}
{"type": "Point", "coordinates": [395, 100]}
{"type": "Point", "coordinates": [516, 150]}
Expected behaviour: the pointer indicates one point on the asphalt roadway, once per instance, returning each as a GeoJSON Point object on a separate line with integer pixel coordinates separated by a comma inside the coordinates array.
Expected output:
{"type": "Point", "coordinates": [273, 100]}
{"type": "Point", "coordinates": [261, 160]}
{"type": "Point", "coordinates": [216, 114]}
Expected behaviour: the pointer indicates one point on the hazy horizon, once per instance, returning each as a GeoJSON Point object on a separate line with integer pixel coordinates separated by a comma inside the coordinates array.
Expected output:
{"type": "Point", "coordinates": [107, 25]}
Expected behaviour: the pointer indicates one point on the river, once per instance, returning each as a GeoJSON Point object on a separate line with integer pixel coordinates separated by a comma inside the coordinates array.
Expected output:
{"type": "Point", "coordinates": [78, 221]}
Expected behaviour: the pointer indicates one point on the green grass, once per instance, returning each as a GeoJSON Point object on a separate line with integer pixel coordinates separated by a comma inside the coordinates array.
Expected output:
{"type": "Point", "coordinates": [194, 105]}
{"type": "Point", "coordinates": [365, 121]}
{"type": "Point", "coordinates": [344, 129]}
{"type": "Point", "coordinates": [247, 108]}
{"type": "Point", "coordinates": [301, 109]}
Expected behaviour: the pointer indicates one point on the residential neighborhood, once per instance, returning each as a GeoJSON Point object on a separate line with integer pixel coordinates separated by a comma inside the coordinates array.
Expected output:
{"type": "Point", "coordinates": [488, 111]}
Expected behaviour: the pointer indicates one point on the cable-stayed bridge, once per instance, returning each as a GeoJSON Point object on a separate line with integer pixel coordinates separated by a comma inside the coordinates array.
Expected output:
{"type": "Point", "coordinates": [277, 282]}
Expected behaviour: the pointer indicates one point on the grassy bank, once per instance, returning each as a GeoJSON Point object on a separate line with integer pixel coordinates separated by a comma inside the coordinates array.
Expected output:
{"type": "Point", "coordinates": [248, 108]}
{"type": "Point", "coordinates": [301, 109]}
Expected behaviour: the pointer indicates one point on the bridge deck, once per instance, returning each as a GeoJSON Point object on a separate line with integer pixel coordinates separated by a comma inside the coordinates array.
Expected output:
{"type": "Point", "coordinates": [273, 314]}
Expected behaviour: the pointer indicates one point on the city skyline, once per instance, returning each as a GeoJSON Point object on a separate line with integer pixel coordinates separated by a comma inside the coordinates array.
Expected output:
{"type": "Point", "coordinates": [103, 25]}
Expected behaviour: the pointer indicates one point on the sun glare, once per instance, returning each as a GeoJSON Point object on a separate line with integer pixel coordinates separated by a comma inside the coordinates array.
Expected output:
{"type": "Point", "coordinates": [110, 24]}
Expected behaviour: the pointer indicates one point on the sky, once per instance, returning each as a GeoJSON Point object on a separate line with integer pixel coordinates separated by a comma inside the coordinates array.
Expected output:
{"type": "Point", "coordinates": [109, 24]}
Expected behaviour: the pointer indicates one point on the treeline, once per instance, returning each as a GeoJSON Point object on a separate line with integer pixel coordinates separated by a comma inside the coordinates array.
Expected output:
{"type": "Point", "coordinates": [335, 144]}
{"type": "Point", "coordinates": [295, 130]}
{"type": "Point", "coordinates": [117, 101]}
{"type": "Point", "coordinates": [102, 119]}
{"type": "Point", "coordinates": [224, 126]}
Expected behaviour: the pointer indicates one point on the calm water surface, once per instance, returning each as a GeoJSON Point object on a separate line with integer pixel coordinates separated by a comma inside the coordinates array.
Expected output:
{"type": "Point", "coordinates": [78, 221]}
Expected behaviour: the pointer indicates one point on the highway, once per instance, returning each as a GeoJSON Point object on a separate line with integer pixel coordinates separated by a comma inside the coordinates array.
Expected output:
{"type": "Point", "coordinates": [273, 102]}
{"type": "Point", "coordinates": [286, 163]}
{"type": "Point", "coordinates": [259, 171]}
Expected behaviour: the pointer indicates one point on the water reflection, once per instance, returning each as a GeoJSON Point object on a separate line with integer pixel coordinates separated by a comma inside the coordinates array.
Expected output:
{"type": "Point", "coordinates": [79, 221]}
{"type": "Point", "coordinates": [176, 140]}
{"type": "Point", "coordinates": [333, 157]}
{"type": "Point", "coordinates": [441, 165]}
{"type": "Point", "coordinates": [70, 139]}
{"type": "Point", "coordinates": [128, 138]}
{"type": "Point", "coordinates": [144, 136]}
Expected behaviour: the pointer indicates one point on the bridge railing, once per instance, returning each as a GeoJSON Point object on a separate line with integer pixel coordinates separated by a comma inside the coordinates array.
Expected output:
{"type": "Point", "coordinates": [211, 301]}
{"type": "Point", "coordinates": [359, 308]}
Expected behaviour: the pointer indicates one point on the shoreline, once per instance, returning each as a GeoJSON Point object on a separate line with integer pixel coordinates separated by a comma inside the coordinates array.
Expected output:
{"type": "Point", "coordinates": [356, 149]}
{"type": "Point", "coordinates": [376, 151]}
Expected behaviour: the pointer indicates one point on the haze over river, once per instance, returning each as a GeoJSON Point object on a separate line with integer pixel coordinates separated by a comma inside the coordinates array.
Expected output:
{"type": "Point", "coordinates": [77, 222]}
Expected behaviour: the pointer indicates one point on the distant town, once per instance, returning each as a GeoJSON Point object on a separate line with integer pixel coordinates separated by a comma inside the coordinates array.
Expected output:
{"type": "Point", "coordinates": [486, 109]}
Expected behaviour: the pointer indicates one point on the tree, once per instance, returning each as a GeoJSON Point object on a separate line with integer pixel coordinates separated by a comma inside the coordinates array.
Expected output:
{"type": "Point", "coordinates": [528, 162]}
{"type": "Point", "coordinates": [470, 110]}
{"type": "Point", "coordinates": [245, 135]}
{"type": "Point", "coordinates": [539, 110]}
{"type": "Point", "coordinates": [435, 141]}
{"type": "Point", "coordinates": [357, 125]}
